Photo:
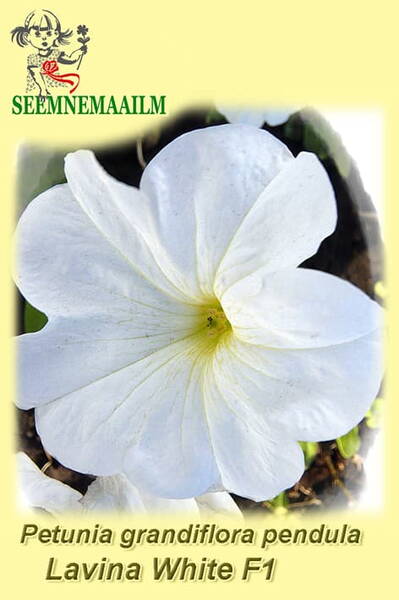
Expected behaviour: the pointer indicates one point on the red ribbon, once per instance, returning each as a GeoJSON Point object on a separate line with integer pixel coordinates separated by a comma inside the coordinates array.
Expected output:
{"type": "Point", "coordinates": [51, 66]}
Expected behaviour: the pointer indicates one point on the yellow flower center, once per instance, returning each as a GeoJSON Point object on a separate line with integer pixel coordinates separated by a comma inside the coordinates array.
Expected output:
{"type": "Point", "coordinates": [213, 327]}
{"type": "Point", "coordinates": [216, 322]}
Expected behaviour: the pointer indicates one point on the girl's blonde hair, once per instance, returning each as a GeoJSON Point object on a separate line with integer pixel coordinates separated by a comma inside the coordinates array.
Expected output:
{"type": "Point", "coordinates": [40, 19]}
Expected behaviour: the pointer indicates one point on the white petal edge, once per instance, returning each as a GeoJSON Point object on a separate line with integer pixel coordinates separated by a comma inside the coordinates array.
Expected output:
{"type": "Point", "coordinates": [201, 186]}
{"type": "Point", "coordinates": [36, 490]}
{"type": "Point", "coordinates": [113, 493]}
{"type": "Point", "coordinates": [276, 116]}
{"type": "Point", "coordinates": [245, 116]}
{"type": "Point", "coordinates": [312, 394]}
{"type": "Point", "coordinates": [256, 117]}
{"type": "Point", "coordinates": [65, 265]}
{"type": "Point", "coordinates": [217, 503]}
{"type": "Point", "coordinates": [122, 214]}
{"type": "Point", "coordinates": [254, 462]}
{"type": "Point", "coordinates": [286, 225]}
{"type": "Point", "coordinates": [299, 308]}
{"type": "Point", "coordinates": [118, 495]}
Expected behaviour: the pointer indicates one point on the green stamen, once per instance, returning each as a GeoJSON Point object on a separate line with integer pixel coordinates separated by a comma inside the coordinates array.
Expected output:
{"type": "Point", "coordinates": [216, 322]}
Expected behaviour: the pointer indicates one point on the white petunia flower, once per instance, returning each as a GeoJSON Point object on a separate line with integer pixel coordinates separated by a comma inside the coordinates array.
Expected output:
{"type": "Point", "coordinates": [112, 493]}
{"type": "Point", "coordinates": [185, 347]}
{"type": "Point", "coordinates": [117, 494]}
{"type": "Point", "coordinates": [36, 490]}
{"type": "Point", "coordinates": [256, 117]}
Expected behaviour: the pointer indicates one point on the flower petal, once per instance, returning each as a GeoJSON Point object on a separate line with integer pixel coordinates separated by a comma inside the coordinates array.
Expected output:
{"type": "Point", "coordinates": [245, 116]}
{"type": "Point", "coordinates": [116, 493]}
{"type": "Point", "coordinates": [285, 226]}
{"type": "Point", "coordinates": [309, 395]}
{"type": "Point", "coordinates": [217, 503]}
{"type": "Point", "coordinates": [39, 491]}
{"type": "Point", "coordinates": [65, 266]}
{"type": "Point", "coordinates": [69, 354]}
{"type": "Point", "coordinates": [122, 214]}
{"type": "Point", "coordinates": [113, 493]}
{"type": "Point", "coordinates": [173, 456]}
{"type": "Point", "coordinates": [256, 460]}
{"type": "Point", "coordinates": [299, 308]}
{"type": "Point", "coordinates": [149, 419]}
{"type": "Point", "coordinates": [256, 117]}
{"type": "Point", "coordinates": [160, 506]}
{"type": "Point", "coordinates": [201, 186]}
{"type": "Point", "coordinates": [276, 117]}
{"type": "Point", "coordinates": [110, 316]}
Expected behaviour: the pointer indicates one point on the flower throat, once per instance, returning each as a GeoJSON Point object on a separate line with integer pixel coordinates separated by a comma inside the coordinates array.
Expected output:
{"type": "Point", "coordinates": [216, 322]}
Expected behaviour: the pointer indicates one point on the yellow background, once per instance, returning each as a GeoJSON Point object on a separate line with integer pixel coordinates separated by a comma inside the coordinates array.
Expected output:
{"type": "Point", "coordinates": [341, 54]}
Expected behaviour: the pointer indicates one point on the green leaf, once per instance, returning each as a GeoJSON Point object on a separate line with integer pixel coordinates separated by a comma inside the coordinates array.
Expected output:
{"type": "Point", "coordinates": [374, 415]}
{"type": "Point", "coordinates": [310, 449]}
{"type": "Point", "coordinates": [280, 501]}
{"type": "Point", "coordinates": [313, 141]}
{"type": "Point", "coordinates": [319, 137]}
{"type": "Point", "coordinates": [349, 443]}
{"type": "Point", "coordinates": [38, 169]}
{"type": "Point", "coordinates": [213, 116]}
{"type": "Point", "coordinates": [34, 320]}
{"type": "Point", "coordinates": [293, 128]}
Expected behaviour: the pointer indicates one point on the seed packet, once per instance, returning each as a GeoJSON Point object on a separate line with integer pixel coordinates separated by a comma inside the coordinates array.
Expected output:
{"type": "Point", "coordinates": [198, 282]}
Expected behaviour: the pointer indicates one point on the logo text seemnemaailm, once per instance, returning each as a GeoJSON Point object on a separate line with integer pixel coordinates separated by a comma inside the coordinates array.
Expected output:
{"type": "Point", "coordinates": [89, 105]}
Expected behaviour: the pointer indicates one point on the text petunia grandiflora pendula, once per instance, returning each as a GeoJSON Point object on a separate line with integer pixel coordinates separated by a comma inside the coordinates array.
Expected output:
{"type": "Point", "coordinates": [185, 347]}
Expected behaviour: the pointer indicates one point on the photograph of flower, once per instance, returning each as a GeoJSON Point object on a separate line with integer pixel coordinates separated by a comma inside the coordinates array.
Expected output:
{"type": "Point", "coordinates": [200, 319]}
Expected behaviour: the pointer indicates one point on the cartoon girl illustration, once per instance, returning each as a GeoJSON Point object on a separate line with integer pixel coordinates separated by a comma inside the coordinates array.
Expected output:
{"type": "Point", "coordinates": [42, 30]}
